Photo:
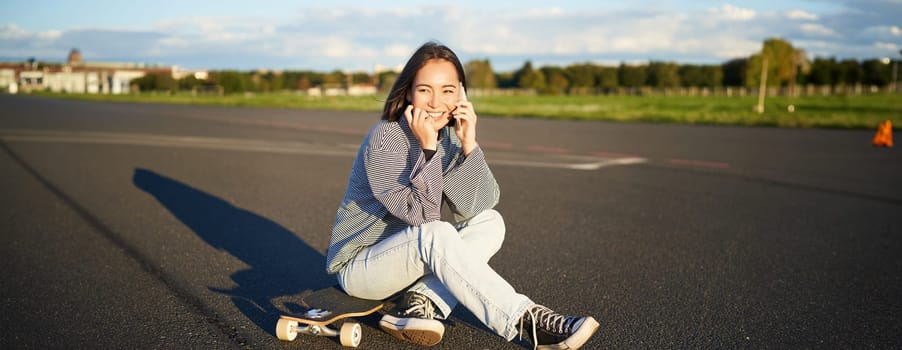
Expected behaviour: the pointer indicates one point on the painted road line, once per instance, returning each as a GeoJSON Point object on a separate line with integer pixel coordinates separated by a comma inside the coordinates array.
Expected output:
{"type": "Point", "coordinates": [614, 155]}
{"type": "Point", "coordinates": [492, 144]}
{"type": "Point", "coordinates": [699, 163]}
{"type": "Point", "coordinates": [278, 124]}
{"type": "Point", "coordinates": [546, 149]}
{"type": "Point", "coordinates": [610, 162]}
{"type": "Point", "coordinates": [572, 166]}
{"type": "Point", "coordinates": [286, 147]}
{"type": "Point", "coordinates": [195, 142]}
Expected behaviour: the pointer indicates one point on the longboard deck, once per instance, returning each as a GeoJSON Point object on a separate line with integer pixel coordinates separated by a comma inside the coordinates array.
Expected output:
{"type": "Point", "coordinates": [328, 305]}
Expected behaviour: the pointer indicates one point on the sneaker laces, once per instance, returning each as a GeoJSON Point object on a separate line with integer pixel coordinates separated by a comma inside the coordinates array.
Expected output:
{"type": "Point", "coordinates": [419, 306]}
{"type": "Point", "coordinates": [549, 321]}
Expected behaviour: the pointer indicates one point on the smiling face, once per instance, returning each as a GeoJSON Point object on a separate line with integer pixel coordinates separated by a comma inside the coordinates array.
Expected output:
{"type": "Point", "coordinates": [434, 90]}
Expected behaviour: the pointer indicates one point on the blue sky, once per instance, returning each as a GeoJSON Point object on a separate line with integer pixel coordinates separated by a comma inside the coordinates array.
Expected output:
{"type": "Point", "coordinates": [357, 35]}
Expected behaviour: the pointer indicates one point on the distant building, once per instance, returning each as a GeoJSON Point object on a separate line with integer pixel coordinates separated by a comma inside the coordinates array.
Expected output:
{"type": "Point", "coordinates": [74, 58]}
{"type": "Point", "coordinates": [362, 90]}
{"type": "Point", "coordinates": [8, 81]}
{"type": "Point", "coordinates": [80, 77]}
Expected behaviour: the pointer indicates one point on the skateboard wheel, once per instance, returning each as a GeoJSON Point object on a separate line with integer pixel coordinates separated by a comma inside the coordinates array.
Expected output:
{"type": "Point", "coordinates": [351, 334]}
{"type": "Point", "coordinates": [286, 330]}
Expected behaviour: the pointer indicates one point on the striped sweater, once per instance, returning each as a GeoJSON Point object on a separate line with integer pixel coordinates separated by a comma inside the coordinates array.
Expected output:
{"type": "Point", "coordinates": [392, 186]}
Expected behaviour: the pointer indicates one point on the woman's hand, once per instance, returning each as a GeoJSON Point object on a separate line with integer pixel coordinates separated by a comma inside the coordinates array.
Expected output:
{"type": "Point", "coordinates": [465, 127]}
{"type": "Point", "coordinates": [423, 127]}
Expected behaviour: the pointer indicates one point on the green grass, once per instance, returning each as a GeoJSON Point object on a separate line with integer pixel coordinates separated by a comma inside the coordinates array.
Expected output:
{"type": "Point", "coordinates": [864, 111]}
{"type": "Point", "coordinates": [279, 100]}
{"type": "Point", "coordinates": [819, 111]}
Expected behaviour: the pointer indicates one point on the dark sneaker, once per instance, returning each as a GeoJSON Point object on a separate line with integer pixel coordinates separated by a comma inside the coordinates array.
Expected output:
{"type": "Point", "coordinates": [552, 331]}
{"type": "Point", "coordinates": [417, 323]}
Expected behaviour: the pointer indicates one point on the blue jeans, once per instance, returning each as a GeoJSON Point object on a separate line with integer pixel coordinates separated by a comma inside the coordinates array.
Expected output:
{"type": "Point", "coordinates": [449, 264]}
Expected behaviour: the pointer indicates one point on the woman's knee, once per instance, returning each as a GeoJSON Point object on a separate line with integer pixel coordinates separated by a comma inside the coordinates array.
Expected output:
{"type": "Point", "coordinates": [495, 218]}
{"type": "Point", "coordinates": [491, 223]}
{"type": "Point", "coordinates": [485, 233]}
{"type": "Point", "coordinates": [439, 230]}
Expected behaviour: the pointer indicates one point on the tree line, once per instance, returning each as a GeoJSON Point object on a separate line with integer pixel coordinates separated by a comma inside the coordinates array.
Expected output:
{"type": "Point", "coordinates": [787, 66]}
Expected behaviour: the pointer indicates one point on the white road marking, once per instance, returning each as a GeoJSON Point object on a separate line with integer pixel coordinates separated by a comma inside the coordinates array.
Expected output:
{"type": "Point", "coordinates": [286, 147]}
{"type": "Point", "coordinates": [197, 142]}
{"type": "Point", "coordinates": [573, 166]}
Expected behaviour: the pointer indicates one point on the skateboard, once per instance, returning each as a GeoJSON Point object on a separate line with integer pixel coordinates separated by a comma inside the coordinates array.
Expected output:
{"type": "Point", "coordinates": [324, 308]}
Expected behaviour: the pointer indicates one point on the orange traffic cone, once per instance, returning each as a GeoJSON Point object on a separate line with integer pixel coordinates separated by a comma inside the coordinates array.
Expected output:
{"type": "Point", "coordinates": [884, 136]}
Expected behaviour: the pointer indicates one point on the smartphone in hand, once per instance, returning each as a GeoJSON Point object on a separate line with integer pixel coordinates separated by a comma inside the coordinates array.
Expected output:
{"type": "Point", "coordinates": [463, 93]}
{"type": "Point", "coordinates": [463, 98]}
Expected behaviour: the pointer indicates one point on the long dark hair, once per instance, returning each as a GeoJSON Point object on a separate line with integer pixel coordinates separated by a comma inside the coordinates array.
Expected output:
{"type": "Point", "coordinates": [397, 98]}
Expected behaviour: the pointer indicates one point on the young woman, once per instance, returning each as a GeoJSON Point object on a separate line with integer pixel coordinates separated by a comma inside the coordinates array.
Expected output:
{"type": "Point", "coordinates": [388, 234]}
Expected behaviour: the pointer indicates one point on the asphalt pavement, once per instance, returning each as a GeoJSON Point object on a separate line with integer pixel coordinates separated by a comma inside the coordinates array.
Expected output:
{"type": "Point", "coordinates": [161, 226]}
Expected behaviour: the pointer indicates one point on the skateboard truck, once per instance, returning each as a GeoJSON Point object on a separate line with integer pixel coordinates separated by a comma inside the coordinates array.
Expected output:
{"type": "Point", "coordinates": [317, 330]}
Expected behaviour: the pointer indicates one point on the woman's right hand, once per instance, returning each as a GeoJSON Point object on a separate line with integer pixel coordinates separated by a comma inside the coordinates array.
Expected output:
{"type": "Point", "coordinates": [422, 126]}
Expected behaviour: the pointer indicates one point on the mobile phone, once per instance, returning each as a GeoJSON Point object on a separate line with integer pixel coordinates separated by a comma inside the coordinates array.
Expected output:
{"type": "Point", "coordinates": [463, 97]}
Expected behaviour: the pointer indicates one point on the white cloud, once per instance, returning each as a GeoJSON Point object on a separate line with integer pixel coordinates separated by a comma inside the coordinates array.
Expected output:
{"type": "Point", "coordinates": [545, 12]}
{"type": "Point", "coordinates": [12, 32]}
{"type": "Point", "coordinates": [399, 51]}
{"type": "Point", "coordinates": [799, 14]}
{"type": "Point", "coordinates": [345, 37]}
{"type": "Point", "coordinates": [49, 35]}
{"type": "Point", "coordinates": [888, 47]}
{"type": "Point", "coordinates": [335, 47]}
{"type": "Point", "coordinates": [734, 13]}
{"type": "Point", "coordinates": [174, 42]}
{"type": "Point", "coordinates": [882, 32]}
{"type": "Point", "coordinates": [817, 29]}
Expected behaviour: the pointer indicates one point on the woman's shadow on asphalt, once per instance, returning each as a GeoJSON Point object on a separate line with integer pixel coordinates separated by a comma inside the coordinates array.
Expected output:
{"type": "Point", "coordinates": [281, 264]}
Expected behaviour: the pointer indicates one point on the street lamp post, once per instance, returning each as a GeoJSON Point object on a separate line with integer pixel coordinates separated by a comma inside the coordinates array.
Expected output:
{"type": "Point", "coordinates": [763, 89]}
